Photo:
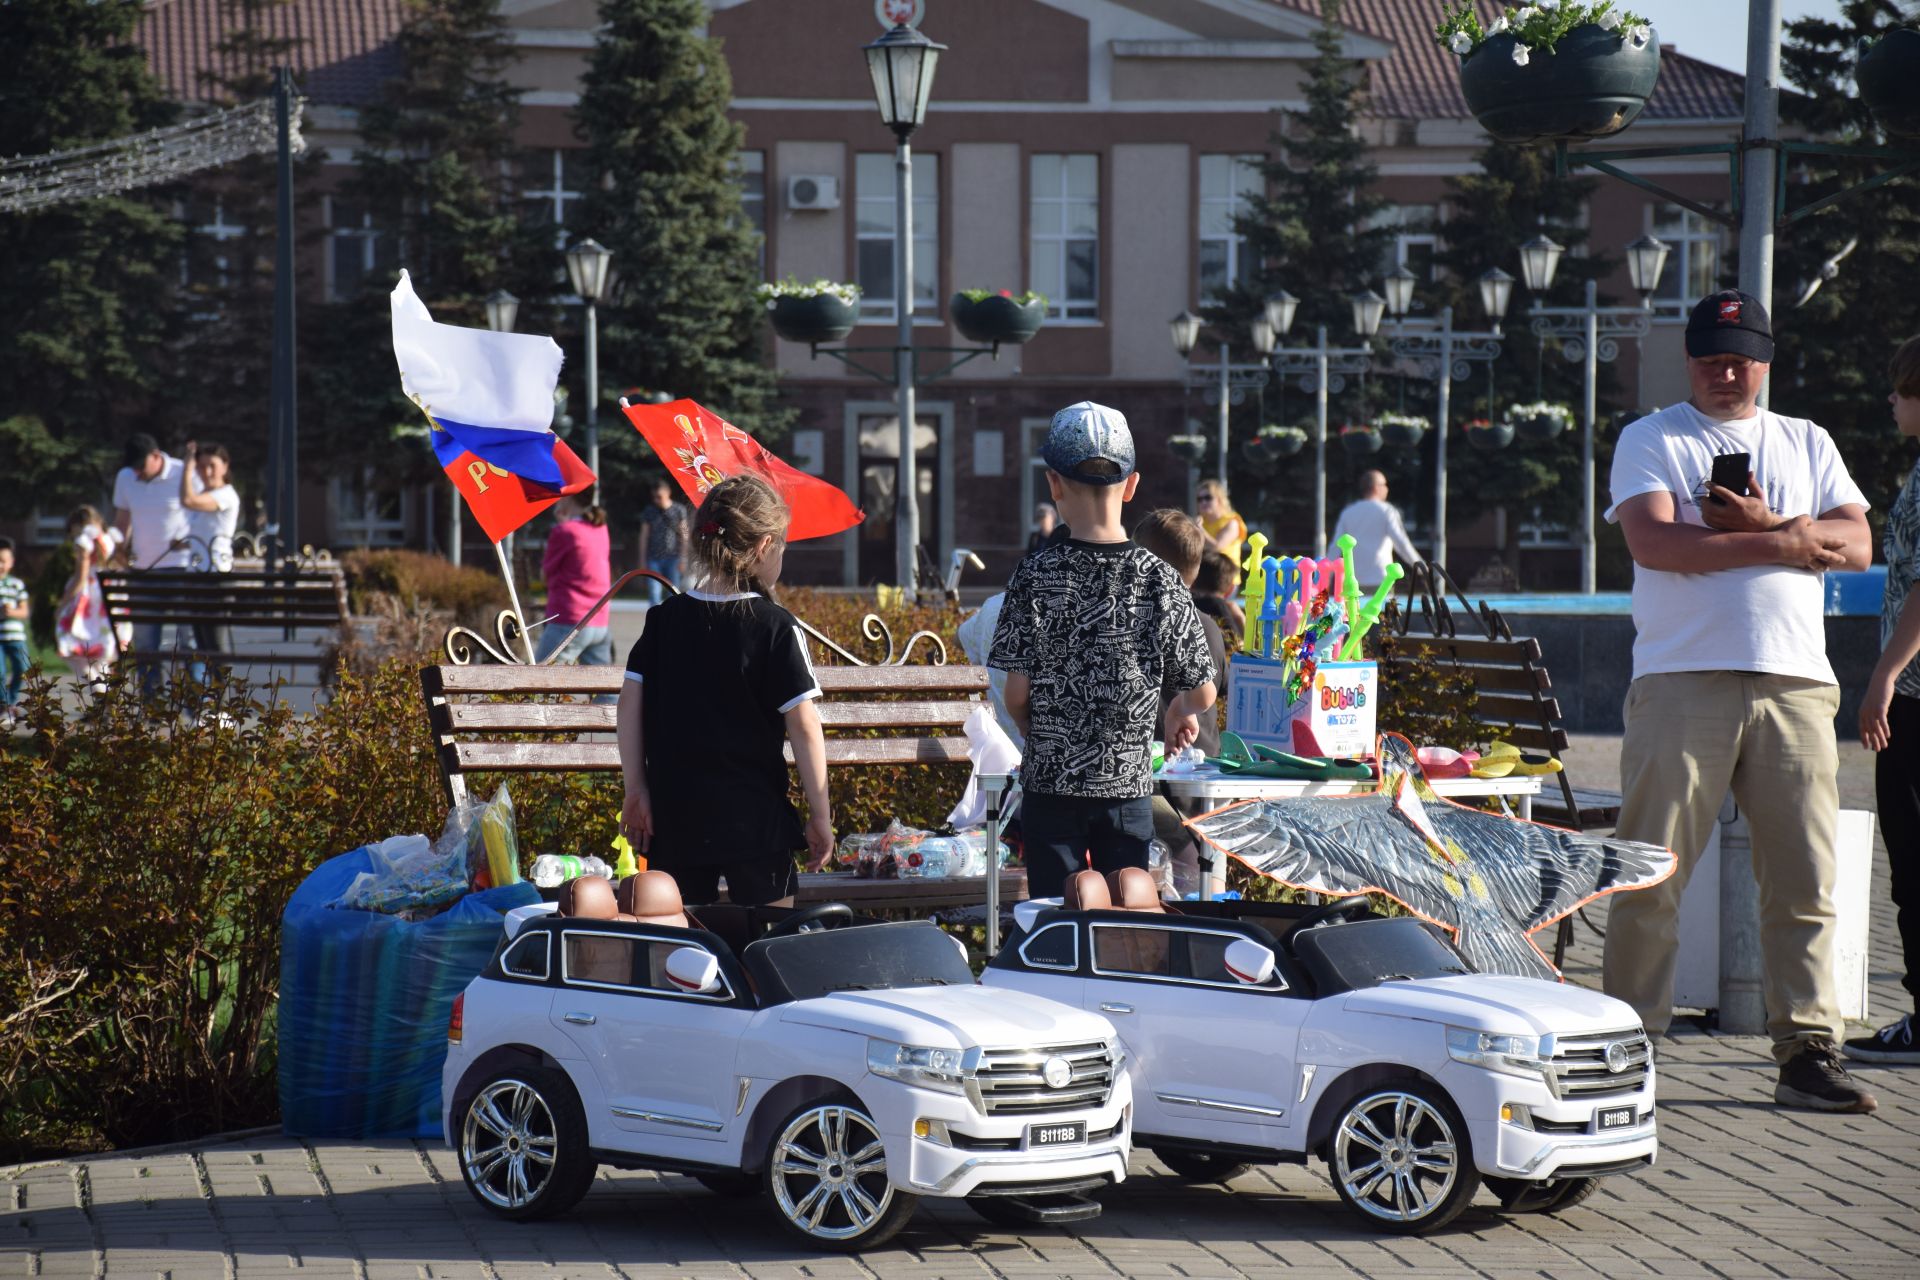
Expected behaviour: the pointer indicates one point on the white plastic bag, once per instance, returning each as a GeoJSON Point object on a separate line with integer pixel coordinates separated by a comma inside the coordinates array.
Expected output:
{"type": "Point", "coordinates": [991, 752]}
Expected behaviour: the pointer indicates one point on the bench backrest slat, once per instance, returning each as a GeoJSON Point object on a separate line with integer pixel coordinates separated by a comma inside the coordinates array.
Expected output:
{"type": "Point", "coordinates": [578, 717]}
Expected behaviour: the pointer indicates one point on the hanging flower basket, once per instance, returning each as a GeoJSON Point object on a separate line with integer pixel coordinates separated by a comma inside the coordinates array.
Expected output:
{"type": "Point", "coordinates": [1889, 79]}
{"type": "Point", "coordinates": [1403, 431]}
{"type": "Point", "coordinates": [1482, 434]}
{"type": "Point", "coordinates": [1540, 421]}
{"type": "Point", "coordinates": [816, 312]}
{"type": "Point", "coordinates": [1189, 449]}
{"type": "Point", "coordinates": [1575, 71]}
{"type": "Point", "coordinates": [1359, 441]}
{"type": "Point", "coordinates": [1285, 441]}
{"type": "Point", "coordinates": [1001, 317]}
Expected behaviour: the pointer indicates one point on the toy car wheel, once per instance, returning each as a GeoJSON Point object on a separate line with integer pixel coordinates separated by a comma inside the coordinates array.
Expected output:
{"type": "Point", "coordinates": [1200, 1166]}
{"type": "Point", "coordinates": [734, 1185]}
{"type": "Point", "coordinates": [523, 1144]}
{"type": "Point", "coordinates": [1400, 1156]}
{"type": "Point", "coordinates": [1550, 1196]}
{"type": "Point", "coordinates": [827, 1177]}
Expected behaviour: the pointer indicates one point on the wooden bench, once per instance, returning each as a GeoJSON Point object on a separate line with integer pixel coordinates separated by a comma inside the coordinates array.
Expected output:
{"type": "Point", "coordinates": [539, 719]}
{"type": "Point", "coordinates": [307, 604]}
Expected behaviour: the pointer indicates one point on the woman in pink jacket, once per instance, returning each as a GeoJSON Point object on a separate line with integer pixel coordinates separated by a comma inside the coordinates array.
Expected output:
{"type": "Point", "coordinates": [577, 573]}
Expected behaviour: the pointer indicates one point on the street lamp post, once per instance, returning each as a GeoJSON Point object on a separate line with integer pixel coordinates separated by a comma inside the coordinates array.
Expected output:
{"type": "Point", "coordinates": [1230, 378]}
{"type": "Point", "coordinates": [1446, 354]}
{"type": "Point", "coordinates": [587, 264]}
{"type": "Point", "coordinates": [1321, 369]}
{"type": "Point", "coordinates": [1591, 334]}
{"type": "Point", "coordinates": [902, 64]}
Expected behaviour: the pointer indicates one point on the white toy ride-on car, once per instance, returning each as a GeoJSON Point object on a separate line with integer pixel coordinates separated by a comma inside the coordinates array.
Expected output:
{"type": "Point", "coordinates": [844, 1067]}
{"type": "Point", "coordinates": [1265, 1032]}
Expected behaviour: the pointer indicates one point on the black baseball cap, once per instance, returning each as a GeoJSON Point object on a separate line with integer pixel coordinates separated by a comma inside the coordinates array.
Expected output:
{"type": "Point", "coordinates": [1730, 323]}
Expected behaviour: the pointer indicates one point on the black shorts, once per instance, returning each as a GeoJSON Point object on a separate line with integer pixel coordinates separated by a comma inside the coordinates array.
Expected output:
{"type": "Point", "coordinates": [1061, 834]}
{"type": "Point", "coordinates": [750, 883]}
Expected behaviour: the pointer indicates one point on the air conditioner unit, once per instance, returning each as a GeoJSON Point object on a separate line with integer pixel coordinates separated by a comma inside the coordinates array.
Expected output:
{"type": "Point", "coordinates": [813, 191]}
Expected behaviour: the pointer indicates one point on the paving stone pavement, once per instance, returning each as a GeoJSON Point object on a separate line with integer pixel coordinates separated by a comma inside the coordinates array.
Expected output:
{"type": "Point", "coordinates": [1742, 1190]}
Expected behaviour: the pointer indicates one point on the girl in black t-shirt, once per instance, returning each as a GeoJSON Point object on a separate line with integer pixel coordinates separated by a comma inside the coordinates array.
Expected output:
{"type": "Point", "coordinates": [719, 679]}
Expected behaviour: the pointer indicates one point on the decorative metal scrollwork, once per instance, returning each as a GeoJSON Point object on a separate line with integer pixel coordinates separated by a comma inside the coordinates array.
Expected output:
{"type": "Point", "coordinates": [876, 631]}
{"type": "Point", "coordinates": [509, 628]}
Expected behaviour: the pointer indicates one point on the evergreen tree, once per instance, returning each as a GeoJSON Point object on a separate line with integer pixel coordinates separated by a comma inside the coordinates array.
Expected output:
{"type": "Point", "coordinates": [1834, 348]}
{"type": "Point", "coordinates": [86, 286]}
{"type": "Point", "coordinates": [663, 196]}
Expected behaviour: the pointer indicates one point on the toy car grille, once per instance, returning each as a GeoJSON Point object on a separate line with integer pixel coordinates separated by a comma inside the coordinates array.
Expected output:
{"type": "Point", "coordinates": [1011, 1080]}
{"type": "Point", "coordinates": [1580, 1068]}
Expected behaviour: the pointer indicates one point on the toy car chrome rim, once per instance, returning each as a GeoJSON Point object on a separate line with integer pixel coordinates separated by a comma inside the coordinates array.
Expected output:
{"type": "Point", "coordinates": [507, 1145]}
{"type": "Point", "coordinates": [829, 1173]}
{"type": "Point", "coordinates": [1395, 1156]}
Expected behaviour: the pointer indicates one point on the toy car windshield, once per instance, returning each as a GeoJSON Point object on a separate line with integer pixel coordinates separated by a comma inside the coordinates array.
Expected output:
{"type": "Point", "coordinates": [871, 958]}
{"type": "Point", "coordinates": [1368, 952]}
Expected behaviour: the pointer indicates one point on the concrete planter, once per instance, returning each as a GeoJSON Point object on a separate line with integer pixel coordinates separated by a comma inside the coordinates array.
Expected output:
{"type": "Point", "coordinates": [1593, 85]}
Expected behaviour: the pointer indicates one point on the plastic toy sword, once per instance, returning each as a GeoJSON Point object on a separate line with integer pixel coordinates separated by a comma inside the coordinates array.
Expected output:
{"type": "Point", "coordinates": [1269, 609]}
{"type": "Point", "coordinates": [1252, 590]}
{"type": "Point", "coordinates": [1346, 544]}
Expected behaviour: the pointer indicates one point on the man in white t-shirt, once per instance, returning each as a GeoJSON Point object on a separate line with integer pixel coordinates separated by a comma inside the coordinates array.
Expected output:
{"type": "Point", "coordinates": [147, 511]}
{"type": "Point", "coordinates": [1377, 531]}
{"type": "Point", "coordinates": [1731, 685]}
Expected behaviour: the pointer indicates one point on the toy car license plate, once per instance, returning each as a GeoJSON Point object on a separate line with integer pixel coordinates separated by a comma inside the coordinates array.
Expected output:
{"type": "Point", "coordinates": [1056, 1135]}
{"type": "Point", "coordinates": [1614, 1118]}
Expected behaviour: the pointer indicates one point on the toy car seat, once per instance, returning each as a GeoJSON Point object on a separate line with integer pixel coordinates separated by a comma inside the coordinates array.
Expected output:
{"type": "Point", "coordinates": [595, 959]}
{"type": "Point", "coordinates": [652, 897]}
{"type": "Point", "coordinates": [589, 898]}
{"type": "Point", "coordinates": [1086, 891]}
{"type": "Point", "coordinates": [1133, 889]}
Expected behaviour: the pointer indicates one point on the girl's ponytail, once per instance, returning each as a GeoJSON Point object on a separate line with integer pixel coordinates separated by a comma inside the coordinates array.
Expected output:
{"type": "Point", "coordinates": [728, 526]}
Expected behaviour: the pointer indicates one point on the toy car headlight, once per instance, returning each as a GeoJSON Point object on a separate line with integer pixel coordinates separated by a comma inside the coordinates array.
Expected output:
{"type": "Point", "coordinates": [1513, 1055]}
{"type": "Point", "coordinates": [919, 1064]}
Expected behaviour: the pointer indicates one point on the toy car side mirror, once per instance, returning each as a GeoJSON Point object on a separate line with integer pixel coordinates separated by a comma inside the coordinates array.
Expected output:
{"type": "Point", "coordinates": [1025, 913]}
{"type": "Point", "coordinates": [1249, 962]}
{"type": "Point", "coordinates": [692, 969]}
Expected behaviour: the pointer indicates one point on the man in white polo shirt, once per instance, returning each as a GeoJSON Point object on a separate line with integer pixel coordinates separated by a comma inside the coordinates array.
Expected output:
{"type": "Point", "coordinates": [147, 511]}
{"type": "Point", "coordinates": [1731, 685]}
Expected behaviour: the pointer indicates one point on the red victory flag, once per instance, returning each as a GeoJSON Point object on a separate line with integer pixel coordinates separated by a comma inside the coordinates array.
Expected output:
{"type": "Point", "coordinates": [502, 501]}
{"type": "Point", "coordinates": [701, 449]}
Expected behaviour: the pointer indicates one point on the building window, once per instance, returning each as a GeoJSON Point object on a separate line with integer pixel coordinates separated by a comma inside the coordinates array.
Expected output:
{"type": "Point", "coordinates": [207, 263]}
{"type": "Point", "coordinates": [551, 180]}
{"type": "Point", "coordinates": [873, 227]}
{"type": "Point", "coordinates": [750, 168]}
{"type": "Point", "coordinates": [1064, 220]}
{"type": "Point", "coordinates": [1227, 183]}
{"type": "Point", "coordinates": [1414, 243]}
{"type": "Point", "coordinates": [1693, 268]}
{"type": "Point", "coordinates": [364, 514]}
{"type": "Point", "coordinates": [355, 249]}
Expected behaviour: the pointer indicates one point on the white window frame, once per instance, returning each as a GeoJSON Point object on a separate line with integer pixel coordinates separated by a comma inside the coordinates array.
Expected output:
{"type": "Point", "coordinates": [750, 170]}
{"type": "Point", "coordinates": [1046, 223]}
{"type": "Point", "coordinates": [365, 531]}
{"type": "Point", "coordinates": [366, 233]}
{"type": "Point", "coordinates": [882, 205]}
{"type": "Point", "coordinates": [1694, 230]}
{"type": "Point", "coordinates": [556, 194]}
{"type": "Point", "coordinates": [219, 231]}
{"type": "Point", "coordinates": [1243, 170]}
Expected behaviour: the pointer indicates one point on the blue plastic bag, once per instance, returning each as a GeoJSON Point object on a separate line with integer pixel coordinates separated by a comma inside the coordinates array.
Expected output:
{"type": "Point", "coordinates": [364, 1003]}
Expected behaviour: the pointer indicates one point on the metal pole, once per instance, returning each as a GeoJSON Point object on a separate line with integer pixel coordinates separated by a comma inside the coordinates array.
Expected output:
{"type": "Point", "coordinates": [1440, 440]}
{"type": "Point", "coordinates": [593, 396]}
{"type": "Point", "coordinates": [283, 418]}
{"type": "Point", "coordinates": [1763, 127]}
{"type": "Point", "coordinates": [455, 542]}
{"type": "Point", "coordinates": [1320, 449]}
{"type": "Point", "coordinates": [513, 598]}
{"type": "Point", "coordinates": [1589, 561]}
{"type": "Point", "coordinates": [906, 507]}
{"type": "Point", "coordinates": [1226, 390]}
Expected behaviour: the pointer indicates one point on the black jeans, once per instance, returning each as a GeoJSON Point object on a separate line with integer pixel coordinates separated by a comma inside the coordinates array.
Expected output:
{"type": "Point", "coordinates": [1896, 779]}
{"type": "Point", "coordinates": [1061, 831]}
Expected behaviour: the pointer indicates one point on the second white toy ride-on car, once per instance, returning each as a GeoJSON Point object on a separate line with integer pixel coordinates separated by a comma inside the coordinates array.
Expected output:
{"type": "Point", "coordinates": [1266, 1032]}
{"type": "Point", "coordinates": [843, 1067]}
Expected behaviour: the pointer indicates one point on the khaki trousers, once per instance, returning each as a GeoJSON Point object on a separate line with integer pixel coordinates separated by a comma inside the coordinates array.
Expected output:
{"type": "Point", "coordinates": [1691, 736]}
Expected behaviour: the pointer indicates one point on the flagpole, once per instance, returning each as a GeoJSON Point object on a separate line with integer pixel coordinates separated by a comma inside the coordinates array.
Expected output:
{"type": "Point", "coordinates": [513, 598]}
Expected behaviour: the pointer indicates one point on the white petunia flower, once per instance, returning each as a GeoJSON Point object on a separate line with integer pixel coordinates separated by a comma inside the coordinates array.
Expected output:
{"type": "Point", "coordinates": [1521, 56]}
{"type": "Point", "coordinates": [1462, 43]}
{"type": "Point", "coordinates": [1610, 21]}
{"type": "Point", "coordinates": [1499, 25]}
{"type": "Point", "coordinates": [1524, 14]}
{"type": "Point", "coordinates": [1548, 5]}
{"type": "Point", "coordinates": [1640, 34]}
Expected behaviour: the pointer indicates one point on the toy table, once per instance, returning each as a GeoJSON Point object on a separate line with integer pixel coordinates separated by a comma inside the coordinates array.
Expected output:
{"type": "Point", "coordinates": [1219, 790]}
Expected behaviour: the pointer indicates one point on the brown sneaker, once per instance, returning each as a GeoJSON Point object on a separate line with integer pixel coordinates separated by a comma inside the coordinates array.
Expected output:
{"type": "Point", "coordinates": [1813, 1078]}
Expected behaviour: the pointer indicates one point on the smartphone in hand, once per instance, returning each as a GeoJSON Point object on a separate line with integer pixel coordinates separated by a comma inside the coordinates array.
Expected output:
{"type": "Point", "coordinates": [1730, 471]}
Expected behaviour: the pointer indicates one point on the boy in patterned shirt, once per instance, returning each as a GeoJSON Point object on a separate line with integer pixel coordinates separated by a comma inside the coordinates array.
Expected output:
{"type": "Point", "coordinates": [1890, 719]}
{"type": "Point", "coordinates": [14, 611]}
{"type": "Point", "coordinates": [1092, 630]}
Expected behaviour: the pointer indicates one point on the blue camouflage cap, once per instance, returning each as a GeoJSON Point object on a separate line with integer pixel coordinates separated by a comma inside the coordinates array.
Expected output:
{"type": "Point", "coordinates": [1088, 432]}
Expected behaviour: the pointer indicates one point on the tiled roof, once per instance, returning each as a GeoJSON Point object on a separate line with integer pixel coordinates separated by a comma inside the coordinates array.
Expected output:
{"type": "Point", "coordinates": [1421, 81]}
{"type": "Point", "coordinates": [345, 50]}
